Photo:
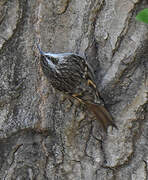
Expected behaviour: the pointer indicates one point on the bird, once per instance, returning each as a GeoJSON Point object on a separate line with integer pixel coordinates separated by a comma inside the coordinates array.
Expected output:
{"type": "Point", "coordinates": [72, 74]}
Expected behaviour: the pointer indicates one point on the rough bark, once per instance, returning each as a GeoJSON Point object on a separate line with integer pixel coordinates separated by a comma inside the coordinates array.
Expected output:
{"type": "Point", "coordinates": [45, 135]}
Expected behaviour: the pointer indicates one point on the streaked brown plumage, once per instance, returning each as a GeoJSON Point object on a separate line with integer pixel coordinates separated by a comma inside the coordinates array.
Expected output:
{"type": "Point", "coordinates": [71, 74]}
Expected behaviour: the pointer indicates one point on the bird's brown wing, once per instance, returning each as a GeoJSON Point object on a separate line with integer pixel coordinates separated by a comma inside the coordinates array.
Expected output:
{"type": "Point", "coordinates": [91, 99]}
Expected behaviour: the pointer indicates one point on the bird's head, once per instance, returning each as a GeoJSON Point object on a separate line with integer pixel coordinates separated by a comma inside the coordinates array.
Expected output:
{"type": "Point", "coordinates": [48, 60]}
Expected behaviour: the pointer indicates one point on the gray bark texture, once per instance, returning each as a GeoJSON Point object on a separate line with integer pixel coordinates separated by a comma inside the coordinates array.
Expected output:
{"type": "Point", "coordinates": [44, 135]}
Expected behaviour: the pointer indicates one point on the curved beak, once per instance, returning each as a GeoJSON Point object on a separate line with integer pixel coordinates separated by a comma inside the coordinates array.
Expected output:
{"type": "Point", "coordinates": [41, 52]}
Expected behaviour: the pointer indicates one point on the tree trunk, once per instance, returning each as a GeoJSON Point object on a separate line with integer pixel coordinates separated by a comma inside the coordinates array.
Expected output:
{"type": "Point", "coordinates": [43, 133]}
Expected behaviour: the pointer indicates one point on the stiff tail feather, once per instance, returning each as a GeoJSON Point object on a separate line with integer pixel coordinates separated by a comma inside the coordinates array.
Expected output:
{"type": "Point", "coordinates": [102, 115]}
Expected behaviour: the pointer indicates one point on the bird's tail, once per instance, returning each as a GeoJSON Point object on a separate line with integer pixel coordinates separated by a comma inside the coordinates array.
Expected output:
{"type": "Point", "coordinates": [102, 115]}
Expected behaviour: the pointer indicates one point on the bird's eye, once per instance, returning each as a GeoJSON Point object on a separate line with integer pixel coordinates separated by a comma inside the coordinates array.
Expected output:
{"type": "Point", "coordinates": [54, 60]}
